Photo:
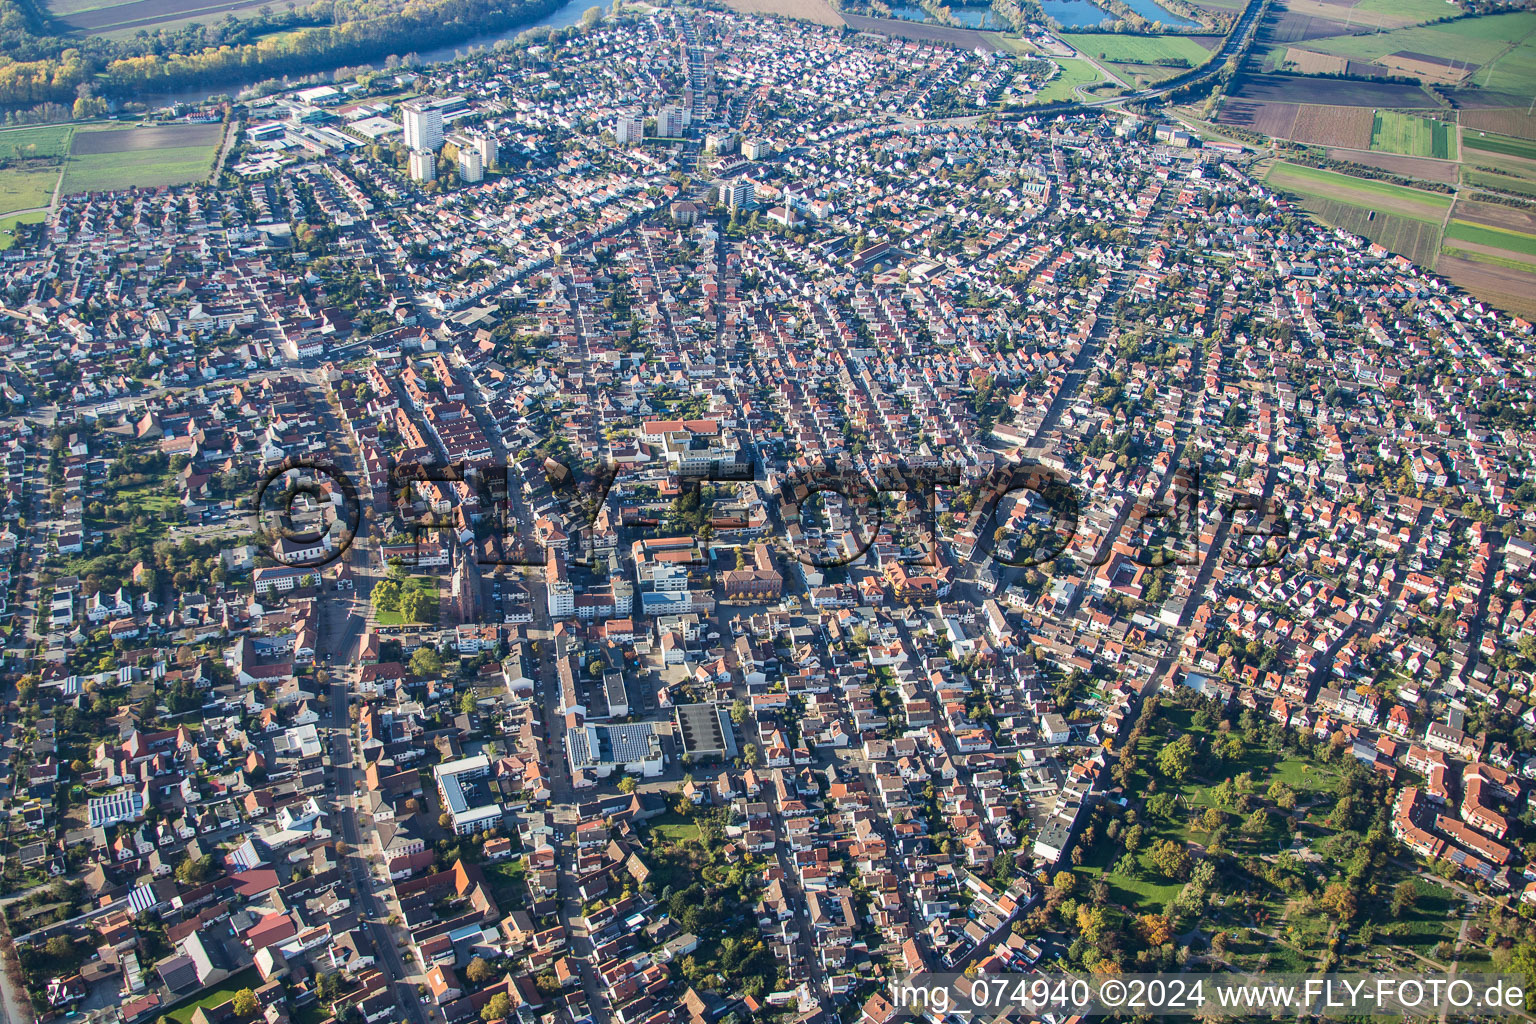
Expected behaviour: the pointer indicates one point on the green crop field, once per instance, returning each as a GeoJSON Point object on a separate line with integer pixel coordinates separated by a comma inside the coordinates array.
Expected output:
{"type": "Point", "coordinates": [1523, 148]}
{"type": "Point", "coordinates": [1479, 40]}
{"type": "Point", "coordinates": [145, 168]}
{"type": "Point", "coordinates": [1128, 49]}
{"type": "Point", "coordinates": [1361, 192]}
{"type": "Point", "coordinates": [1418, 10]}
{"type": "Point", "coordinates": [1496, 238]}
{"type": "Point", "coordinates": [1498, 181]}
{"type": "Point", "coordinates": [1413, 136]}
{"type": "Point", "coordinates": [49, 142]}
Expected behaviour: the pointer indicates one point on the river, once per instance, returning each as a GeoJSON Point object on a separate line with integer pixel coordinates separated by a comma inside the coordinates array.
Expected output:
{"type": "Point", "coordinates": [561, 17]}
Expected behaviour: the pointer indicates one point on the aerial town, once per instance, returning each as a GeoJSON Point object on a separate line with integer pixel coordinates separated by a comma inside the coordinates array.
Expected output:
{"type": "Point", "coordinates": [681, 524]}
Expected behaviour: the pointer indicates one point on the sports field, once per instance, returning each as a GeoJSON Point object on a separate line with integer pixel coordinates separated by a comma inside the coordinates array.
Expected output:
{"type": "Point", "coordinates": [1364, 193]}
{"type": "Point", "coordinates": [1392, 132]}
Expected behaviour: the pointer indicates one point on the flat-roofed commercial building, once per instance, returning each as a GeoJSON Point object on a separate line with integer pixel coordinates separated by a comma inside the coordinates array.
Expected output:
{"type": "Point", "coordinates": [599, 749]}
{"type": "Point", "coordinates": [706, 732]}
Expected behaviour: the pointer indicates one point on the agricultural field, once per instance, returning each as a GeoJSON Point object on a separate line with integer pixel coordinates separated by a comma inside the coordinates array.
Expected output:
{"type": "Point", "coordinates": [1369, 195]}
{"type": "Point", "coordinates": [1498, 47]}
{"type": "Point", "coordinates": [1523, 148]}
{"type": "Point", "coordinates": [1347, 127]}
{"type": "Point", "coordinates": [47, 142]}
{"type": "Point", "coordinates": [818, 11]}
{"type": "Point", "coordinates": [1506, 284]}
{"type": "Point", "coordinates": [1404, 220]}
{"type": "Point", "coordinates": [1372, 14]}
{"type": "Point", "coordinates": [1423, 168]}
{"type": "Point", "coordinates": [1419, 240]}
{"type": "Point", "coordinates": [1280, 88]}
{"type": "Point", "coordinates": [1128, 49]}
{"type": "Point", "coordinates": [1273, 119]}
{"type": "Point", "coordinates": [1413, 11]}
{"type": "Point", "coordinates": [1498, 181]}
{"type": "Point", "coordinates": [1493, 245]}
{"type": "Point", "coordinates": [92, 17]}
{"type": "Point", "coordinates": [1392, 132]}
{"type": "Point", "coordinates": [154, 157]}
{"type": "Point", "coordinates": [1501, 121]}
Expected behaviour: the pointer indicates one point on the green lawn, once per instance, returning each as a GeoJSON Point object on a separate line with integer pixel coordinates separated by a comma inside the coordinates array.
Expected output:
{"type": "Point", "coordinates": [1142, 894]}
{"type": "Point", "coordinates": [675, 827]}
{"type": "Point", "coordinates": [182, 1012]}
{"type": "Point", "coordinates": [8, 226]}
{"type": "Point", "coordinates": [1074, 72]}
{"type": "Point", "coordinates": [426, 584]}
{"type": "Point", "coordinates": [1428, 922]}
{"type": "Point", "coordinates": [1504, 144]}
{"type": "Point", "coordinates": [26, 188]}
{"type": "Point", "coordinates": [507, 881]}
{"type": "Point", "coordinates": [1362, 192]}
{"type": "Point", "coordinates": [1413, 136]}
{"type": "Point", "coordinates": [147, 168]}
{"type": "Point", "coordinates": [1497, 238]}
{"type": "Point", "coordinates": [1129, 49]}
{"type": "Point", "coordinates": [149, 499]}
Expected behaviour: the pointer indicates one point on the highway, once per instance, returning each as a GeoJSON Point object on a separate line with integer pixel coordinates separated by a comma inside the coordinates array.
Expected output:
{"type": "Point", "coordinates": [1236, 43]}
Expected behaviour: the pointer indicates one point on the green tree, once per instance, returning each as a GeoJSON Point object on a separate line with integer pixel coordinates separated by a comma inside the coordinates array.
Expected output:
{"type": "Point", "coordinates": [479, 971]}
{"type": "Point", "coordinates": [1170, 858]}
{"type": "Point", "coordinates": [1522, 961]}
{"type": "Point", "coordinates": [61, 950]}
{"type": "Point", "coordinates": [246, 1004]}
{"type": "Point", "coordinates": [386, 596]}
{"type": "Point", "coordinates": [628, 784]}
{"type": "Point", "coordinates": [1176, 759]}
{"type": "Point", "coordinates": [416, 605]}
{"type": "Point", "coordinates": [426, 663]}
{"type": "Point", "coordinates": [193, 870]}
{"type": "Point", "coordinates": [499, 1008]}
